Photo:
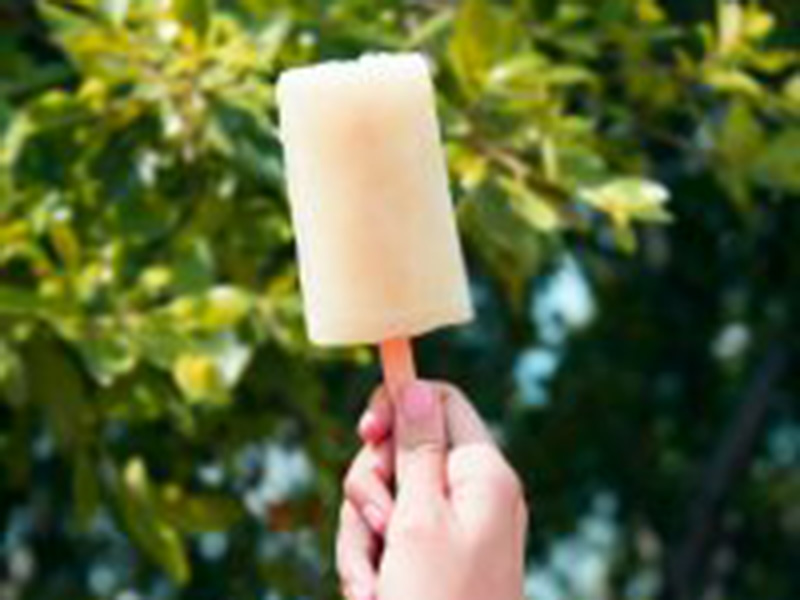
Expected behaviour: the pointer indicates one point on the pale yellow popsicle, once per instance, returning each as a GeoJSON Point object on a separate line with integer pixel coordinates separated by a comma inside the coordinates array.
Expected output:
{"type": "Point", "coordinates": [377, 242]}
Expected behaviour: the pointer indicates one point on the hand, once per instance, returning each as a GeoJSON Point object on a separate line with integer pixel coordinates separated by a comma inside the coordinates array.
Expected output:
{"type": "Point", "coordinates": [455, 527]}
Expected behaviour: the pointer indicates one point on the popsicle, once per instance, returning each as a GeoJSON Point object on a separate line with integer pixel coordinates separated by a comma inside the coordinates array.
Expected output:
{"type": "Point", "coordinates": [380, 259]}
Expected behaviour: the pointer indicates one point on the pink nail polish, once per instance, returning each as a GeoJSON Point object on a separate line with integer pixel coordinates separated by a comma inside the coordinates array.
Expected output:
{"type": "Point", "coordinates": [366, 424]}
{"type": "Point", "coordinates": [418, 401]}
{"type": "Point", "coordinates": [370, 428]}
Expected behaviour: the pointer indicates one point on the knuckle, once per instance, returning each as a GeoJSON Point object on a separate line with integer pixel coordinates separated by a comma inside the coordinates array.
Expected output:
{"type": "Point", "coordinates": [447, 390]}
{"type": "Point", "coordinates": [352, 485]}
{"type": "Point", "coordinates": [505, 484]}
{"type": "Point", "coordinates": [426, 449]}
{"type": "Point", "coordinates": [357, 482]}
{"type": "Point", "coordinates": [418, 525]}
{"type": "Point", "coordinates": [381, 467]}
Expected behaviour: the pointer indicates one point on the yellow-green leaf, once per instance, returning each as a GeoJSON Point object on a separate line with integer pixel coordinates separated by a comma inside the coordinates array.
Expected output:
{"type": "Point", "coordinates": [629, 199]}
{"type": "Point", "coordinates": [15, 301]}
{"type": "Point", "coordinates": [483, 34]}
{"type": "Point", "coordinates": [115, 10]}
{"type": "Point", "coordinates": [107, 355]}
{"type": "Point", "coordinates": [741, 138]}
{"type": "Point", "coordinates": [158, 539]}
{"type": "Point", "coordinates": [57, 385]}
{"type": "Point", "coordinates": [778, 166]}
{"type": "Point", "coordinates": [195, 14]}
{"type": "Point", "coordinates": [534, 209]}
{"type": "Point", "coordinates": [197, 376]}
{"type": "Point", "coordinates": [733, 81]}
{"type": "Point", "coordinates": [512, 250]}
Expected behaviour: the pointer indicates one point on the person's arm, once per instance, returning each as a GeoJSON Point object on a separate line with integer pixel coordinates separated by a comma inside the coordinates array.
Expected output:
{"type": "Point", "coordinates": [454, 528]}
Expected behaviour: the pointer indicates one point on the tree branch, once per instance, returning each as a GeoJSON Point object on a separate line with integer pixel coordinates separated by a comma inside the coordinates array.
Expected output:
{"type": "Point", "coordinates": [685, 566]}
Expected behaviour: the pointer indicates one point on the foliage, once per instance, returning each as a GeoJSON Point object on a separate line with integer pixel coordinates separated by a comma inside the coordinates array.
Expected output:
{"type": "Point", "coordinates": [150, 325]}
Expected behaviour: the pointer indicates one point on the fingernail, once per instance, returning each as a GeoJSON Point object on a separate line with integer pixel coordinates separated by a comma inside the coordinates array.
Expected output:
{"type": "Point", "coordinates": [418, 401]}
{"type": "Point", "coordinates": [375, 517]}
{"type": "Point", "coordinates": [368, 426]}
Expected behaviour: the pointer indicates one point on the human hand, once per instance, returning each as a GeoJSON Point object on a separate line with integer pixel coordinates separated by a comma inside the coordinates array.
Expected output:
{"type": "Point", "coordinates": [454, 528]}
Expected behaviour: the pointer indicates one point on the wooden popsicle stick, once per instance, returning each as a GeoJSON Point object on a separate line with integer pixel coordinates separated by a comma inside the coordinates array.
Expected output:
{"type": "Point", "coordinates": [397, 359]}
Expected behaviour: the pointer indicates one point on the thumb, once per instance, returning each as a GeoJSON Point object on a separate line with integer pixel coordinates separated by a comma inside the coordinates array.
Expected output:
{"type": "Point", "coordinates": [421, 439]}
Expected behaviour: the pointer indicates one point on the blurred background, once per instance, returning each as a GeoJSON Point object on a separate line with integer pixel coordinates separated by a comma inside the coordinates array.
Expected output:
{"type": "Point", "coordinates": [627, 179]}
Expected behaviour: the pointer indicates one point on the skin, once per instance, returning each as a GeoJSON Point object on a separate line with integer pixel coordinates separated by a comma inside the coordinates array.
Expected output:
{"type": "Point", "coordinates": [432, 510]}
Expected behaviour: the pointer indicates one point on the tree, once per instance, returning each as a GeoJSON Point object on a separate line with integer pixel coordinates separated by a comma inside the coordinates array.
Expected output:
{"type": "Point", "coordinates": [626, 176]}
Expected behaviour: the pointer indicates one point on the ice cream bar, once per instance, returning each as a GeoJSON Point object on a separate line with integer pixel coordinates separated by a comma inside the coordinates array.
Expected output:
{"type": "Point", "coordinates": [380, 259]}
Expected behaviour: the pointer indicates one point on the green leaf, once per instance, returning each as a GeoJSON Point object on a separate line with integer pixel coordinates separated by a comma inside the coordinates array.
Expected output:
{"type": "Point", "coordinates": [64, 19]}
{"type": "Point", "coordinates": [568, 75]}
{"type": "Point", "coordinates": [538, 212]}
{"type": "Point", "coordinates": [581, 165]}
{"type": "Point", "coordinates": [107, 356]}
{"type": "Point", "coordinates": [629, 199]}
{"type": "Point", "coordinates": [66, 244]}
{"type": "Point", "coordinates": [740, 139]}
{"type": "Point", "coordinates": [649, 11]}
{"type": "Point", "coordinates": [21, 303]}
{"type": "Point", "coordinates": [730, 17]}
{"type": "Point", "coordinates": [482, 35]}
{"type": "Point", "coordinates": [757, 22]}
{"type": "Point", "coordinates": [13, 388]}
{"type": "Point", "coordinates": [159, 540]}
{"type": "Point", "coordinates": [521, 72]}
{"type": "Point", "coordinates": [512, 250]}
{"type": "Point", "coordinates": [115, 10]}
{"type": "Point", "coordinates": [56, 384]}
{"type": "Point", "coordinates": [211, 366]}
{"type": "Point", "coordinates": [791, 90]}
{"type": "Point", "coordinates": [733, 81]}
{"type": "Point", "coordinates": [193, 267]}
{"type": "Point", "coordinates": [195, 14]}
{"type": "Point", "coordinates": [469, 166]}
{"type": "Point", "coordinates": [16, 133]}
{"type": "Point", "coordinates": [160, 338]}
{"type": "Point", "coordinates": [778, 166]}
{"type": "Point", "coordinates": [198, 376]}
{"type": "Point", "coordinates": [224, 307]}
{"type": "Point", "coordinates": [271, 38]}
{"type": "Point", "coordinates": [532, 207]}
{"type": "Point", "coordinates": [430, 29]}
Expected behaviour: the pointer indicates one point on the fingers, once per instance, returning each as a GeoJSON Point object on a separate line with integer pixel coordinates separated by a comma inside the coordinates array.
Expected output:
{"type": "Point", "coordinates": [464, 425]}
{"type": "Point", "coordinates": [356, 552]}
{"type": "Point", "coordinates": [485, 492]}
{"type": "Point", "coordinates": [420, 444]}
{"type": "Point", "coordinates": [376, 422]}
{"type": "Point", "coordinates": [367, 484]}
